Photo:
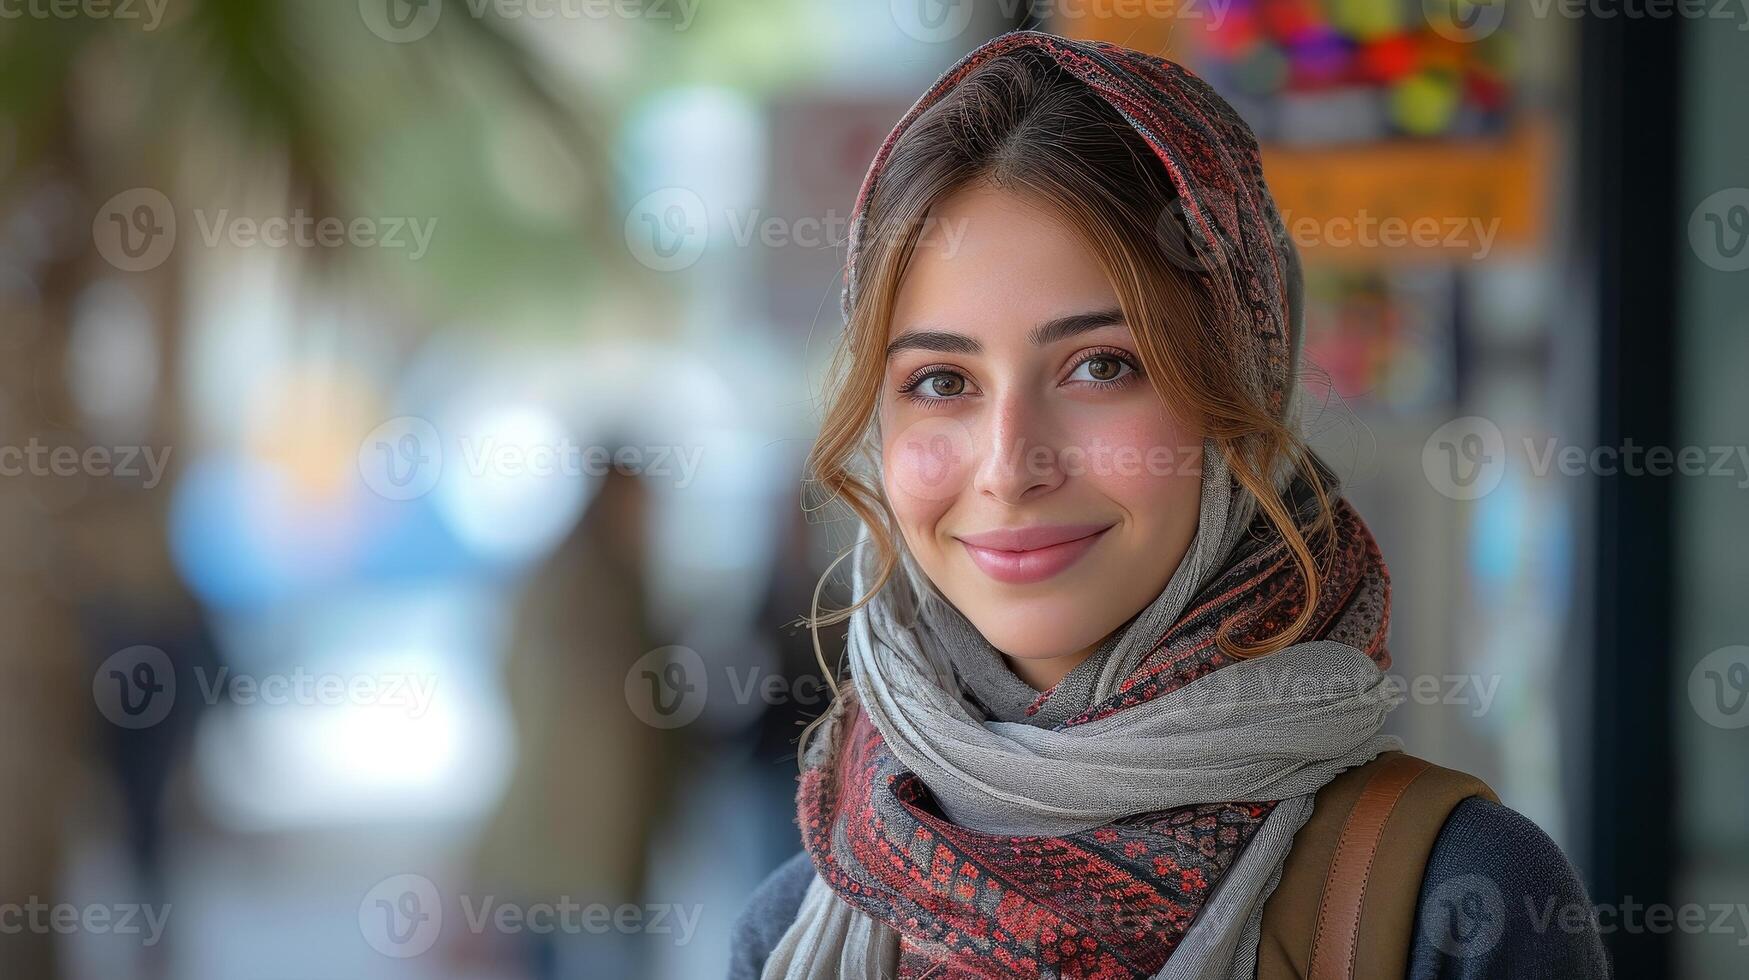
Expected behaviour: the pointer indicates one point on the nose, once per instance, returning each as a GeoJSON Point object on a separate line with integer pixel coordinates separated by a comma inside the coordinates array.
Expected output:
{"type": "Point", "coordinates": [1018, 451]}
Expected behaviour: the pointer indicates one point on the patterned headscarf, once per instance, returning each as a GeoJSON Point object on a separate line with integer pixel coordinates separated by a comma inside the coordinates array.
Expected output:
{"type": "Point", "coordinates": [1238, 245]}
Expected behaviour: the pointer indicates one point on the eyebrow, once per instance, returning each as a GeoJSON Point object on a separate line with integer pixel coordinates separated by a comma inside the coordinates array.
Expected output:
{"type": "Point", "coordinates": [1048, 332]}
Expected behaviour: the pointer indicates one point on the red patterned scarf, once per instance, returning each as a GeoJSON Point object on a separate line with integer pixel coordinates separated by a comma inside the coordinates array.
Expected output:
{"type": "Point", "coordinates": [1110, 902]}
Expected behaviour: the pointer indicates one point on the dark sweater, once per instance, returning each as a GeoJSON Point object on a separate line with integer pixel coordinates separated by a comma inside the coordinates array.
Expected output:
{"type": "Point", "coordinates": [1491, 905]}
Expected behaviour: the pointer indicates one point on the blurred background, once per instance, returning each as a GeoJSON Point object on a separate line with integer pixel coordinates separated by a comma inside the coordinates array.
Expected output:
{"type": "Point", "coordinates": [403, 402]}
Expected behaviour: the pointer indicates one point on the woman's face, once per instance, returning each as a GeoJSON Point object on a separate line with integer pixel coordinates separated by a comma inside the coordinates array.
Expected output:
{"type": "Point", "coordinates": [1038, 479]}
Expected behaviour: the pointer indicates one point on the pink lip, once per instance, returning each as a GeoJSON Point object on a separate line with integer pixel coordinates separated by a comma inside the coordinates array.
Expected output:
{"type": "Point", "coordinates": [1031, 554]}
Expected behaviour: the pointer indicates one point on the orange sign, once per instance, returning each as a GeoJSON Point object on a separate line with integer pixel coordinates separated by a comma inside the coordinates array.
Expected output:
{"type": "Point", "coordinates": [1407, 199]}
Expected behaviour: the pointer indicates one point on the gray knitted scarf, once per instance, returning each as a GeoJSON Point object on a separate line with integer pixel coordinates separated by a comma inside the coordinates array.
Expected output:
{"type": "Point", "coordinates": [950, 710]}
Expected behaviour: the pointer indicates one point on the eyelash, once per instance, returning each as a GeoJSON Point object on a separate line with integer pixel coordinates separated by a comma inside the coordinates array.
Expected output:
{"type": "Point", "coordinates": [909, 386]}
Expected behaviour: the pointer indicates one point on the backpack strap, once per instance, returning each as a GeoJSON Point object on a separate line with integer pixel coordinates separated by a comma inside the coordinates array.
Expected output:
{"type": "Point", "coordinates": [1345, 907]}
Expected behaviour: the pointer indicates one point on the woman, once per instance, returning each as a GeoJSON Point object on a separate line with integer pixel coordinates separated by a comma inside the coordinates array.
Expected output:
{"type": "Point", "coordinates": [1115, 627]}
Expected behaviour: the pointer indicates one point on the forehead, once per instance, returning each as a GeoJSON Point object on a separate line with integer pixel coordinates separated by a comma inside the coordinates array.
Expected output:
{"type": "Point", "coordinates": [993, 264]}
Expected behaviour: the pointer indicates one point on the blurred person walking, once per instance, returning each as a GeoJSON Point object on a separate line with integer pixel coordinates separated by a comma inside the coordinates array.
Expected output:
{"type": "Point", "coordinates": [577, 818]}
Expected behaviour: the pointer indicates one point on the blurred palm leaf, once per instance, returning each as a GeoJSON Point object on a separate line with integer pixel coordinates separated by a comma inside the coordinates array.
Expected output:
{"type": "Point", "coordinates": [106, 104]}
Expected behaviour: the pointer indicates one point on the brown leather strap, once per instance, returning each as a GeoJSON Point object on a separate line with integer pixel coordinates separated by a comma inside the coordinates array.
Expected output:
{"type": "Point", "coordinates": [1351, 883]}
{"type": "Point", "coordinates": [1338, 932]}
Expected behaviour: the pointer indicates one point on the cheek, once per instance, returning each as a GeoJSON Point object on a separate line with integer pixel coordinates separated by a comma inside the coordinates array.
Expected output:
{"type": "Point", "coordinates": [925, 466]}
{"type": "Point", "coordinates": [1142, 460]}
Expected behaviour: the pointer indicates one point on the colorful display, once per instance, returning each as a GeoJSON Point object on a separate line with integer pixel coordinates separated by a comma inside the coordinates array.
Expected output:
{"type": "Point", "coordinates": [1321, 71]}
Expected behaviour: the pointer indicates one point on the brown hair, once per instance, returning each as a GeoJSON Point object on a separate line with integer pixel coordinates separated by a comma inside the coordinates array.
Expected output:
{"type": "Point", "coordinates": [1022, 124]}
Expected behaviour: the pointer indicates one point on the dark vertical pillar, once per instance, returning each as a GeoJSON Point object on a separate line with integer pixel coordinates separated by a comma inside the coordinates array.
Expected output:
{"type": "Point", "coordinates": [1630, 137]}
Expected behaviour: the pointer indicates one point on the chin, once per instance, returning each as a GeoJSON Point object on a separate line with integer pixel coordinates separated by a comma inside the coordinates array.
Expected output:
{"type": "Point", "coordinates": [1041, 628]}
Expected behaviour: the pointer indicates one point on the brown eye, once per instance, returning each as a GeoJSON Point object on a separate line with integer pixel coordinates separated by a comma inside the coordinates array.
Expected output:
{"type": "Point", "coordinates": [1103, 368]}
{"type": "Point", "coordinates": [943, 385]}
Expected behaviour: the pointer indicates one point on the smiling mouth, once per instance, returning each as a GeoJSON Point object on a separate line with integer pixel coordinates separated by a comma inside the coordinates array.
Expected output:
{"type": "Point", "coordinates": [1020, 567]}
